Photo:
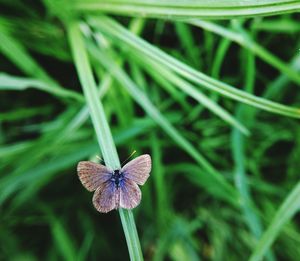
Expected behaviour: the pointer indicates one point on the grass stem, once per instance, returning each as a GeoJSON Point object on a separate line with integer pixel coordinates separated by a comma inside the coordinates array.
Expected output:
{"type": "Point", "coordinates": [102, 129]}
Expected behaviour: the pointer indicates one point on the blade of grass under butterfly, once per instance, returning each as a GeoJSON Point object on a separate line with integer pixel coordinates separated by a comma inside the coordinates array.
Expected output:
{"type": "Point", "coordinates": [285, 212]}
{"type": "Point", "coordinates": [119, 33]}
{"type": "Point", "coordinates": [141, 98]}
{"type": "Point", "coordinates": [243, 39]}
{"type": "Point", "coordinates": [217, 9]}
{"type": "Point", "coordinates": [102, 129]}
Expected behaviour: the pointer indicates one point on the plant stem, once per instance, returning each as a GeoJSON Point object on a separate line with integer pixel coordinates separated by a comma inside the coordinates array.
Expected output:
{"type": "Point", "coordinates": [104, 136]}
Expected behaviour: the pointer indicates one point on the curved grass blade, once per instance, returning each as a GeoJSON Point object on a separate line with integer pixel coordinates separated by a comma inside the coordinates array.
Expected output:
{"type": "Point", "coordinates": [119, 33]}
{"type": "Point", "coordinates": [216, 9]}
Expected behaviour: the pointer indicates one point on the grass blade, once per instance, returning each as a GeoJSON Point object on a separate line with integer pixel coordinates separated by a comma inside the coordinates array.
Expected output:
{"type": "Point", "coordinates": [11, 48]}
{"type": "Point", "coordinates": [14, 83]}
{"type": "Point", "coordinates": [217, 9]}
{"type": "Point", "coordinates": [102, 129]}
{"type": "Point", "coordinates": [244, 40]}
{"type": "Point", "coordinates": [193, 92]}
{"type": "Point", "coordinates": [62, 239]}
{"type": "Point", "coordinates": [286, 211]}
{"type": "Point", "coordinates": [119, 33]}
{"type": "Point", "coordinates": [147, 105]}
{"type": "Point", "coordinates": [19, 56]}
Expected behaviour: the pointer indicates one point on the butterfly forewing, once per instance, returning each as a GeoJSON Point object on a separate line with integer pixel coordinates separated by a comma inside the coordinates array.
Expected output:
{"type": "Point", "coordinates": [138, 169]}
{"type": "Point", "coordinates": [92, 175]}
{"type": "Point", "coordinates": [130, 194]}
{"type": "Point", "coordinates": [106, 197]}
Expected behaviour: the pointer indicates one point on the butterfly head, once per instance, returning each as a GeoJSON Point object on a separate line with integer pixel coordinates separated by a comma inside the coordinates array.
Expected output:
{"type": "Point", "coordinates": [117, 177]}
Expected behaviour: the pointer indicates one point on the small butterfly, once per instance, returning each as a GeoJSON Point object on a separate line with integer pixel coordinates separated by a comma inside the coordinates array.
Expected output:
{"type": "Point", "coordinates": [115, 188]}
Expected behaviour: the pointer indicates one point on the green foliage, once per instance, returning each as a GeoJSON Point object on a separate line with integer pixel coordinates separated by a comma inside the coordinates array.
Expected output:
{"type": "Point", "coordinates": [215, 103]}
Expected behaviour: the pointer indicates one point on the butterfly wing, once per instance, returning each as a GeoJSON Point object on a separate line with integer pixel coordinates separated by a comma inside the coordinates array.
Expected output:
{"type": "Point", "coordinates": [92, 175]}
{"type": "Point", "coordinates": [130, 194]}
{"type": "Point", "coordinates": [106, 197]}
{"type": "Point", "coordinates": [138, 169]}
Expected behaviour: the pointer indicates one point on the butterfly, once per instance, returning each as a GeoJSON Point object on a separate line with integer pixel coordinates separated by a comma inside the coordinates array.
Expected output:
{"type": "Point", "coordinates": [115, 188]}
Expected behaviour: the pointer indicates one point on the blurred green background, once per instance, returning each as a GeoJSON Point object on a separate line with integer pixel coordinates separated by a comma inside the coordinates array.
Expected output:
{"type": "Point", "coordinates": [214, 101]}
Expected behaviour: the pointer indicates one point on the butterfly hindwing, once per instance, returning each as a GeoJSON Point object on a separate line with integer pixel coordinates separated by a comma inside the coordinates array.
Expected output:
{"type": "Point", "coordinates": [138, 169]}
{"type": "Point", "coordinates": [92, 175]}
{"type": "Point", "coordinates": [106, 197]}
{"type": "Point", "coordinates": [130, 194]}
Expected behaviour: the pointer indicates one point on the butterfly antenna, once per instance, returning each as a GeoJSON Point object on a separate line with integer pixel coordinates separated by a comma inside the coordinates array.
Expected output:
{"type": "Point", "coordinates": [129, 157]}
{"type": "Point", "coordinates": [99, 158]}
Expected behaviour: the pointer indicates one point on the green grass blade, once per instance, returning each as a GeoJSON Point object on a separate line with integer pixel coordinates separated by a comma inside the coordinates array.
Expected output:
{"type": "Point", "coordinates": [12, 183]}
{"type": "Point", "coordinates": [285, 25]}
{"type": "Point", "coordinates": [119, 33]}
{"type": "Point", "coordinates": [102, 129]}
{"type": "Point", "coordinates": [146, 104]}
{"type": "Point", "coordinates": [162, 206]}
{"type": "Point", "coordinates": [11, 48]}
{"type": "Point", "coordinates": [214, 193]}
{"type": "Point", "coordinates": [217, 9]}
{"type": "Point", "coordinates": [239, 146]}
{"type": "Point", "coordinates": [141, 98]}
{"type": "Point", "coordinates": [276, 88]}
{"type": "Point", "coordinates": [132, 239]}
{"type": "Point", "coordinates": [286, 211]}
{"type": "Point", "coordinates": [219, 57]}
{"type": "Point", "coordinates": [101, 126]}
{"type": "Point", "coordinates": [14, 83]}
{"type": "Point", "coordinates": [238, 151]}
{"type": "Point", "coordinates": [243, 39]}
{"type": "Point", "coordinates": [193, 92]}
{"type": "Point", "coordinates": [63, 241]}
{"type": "Point", "coordinates": [216, 185]}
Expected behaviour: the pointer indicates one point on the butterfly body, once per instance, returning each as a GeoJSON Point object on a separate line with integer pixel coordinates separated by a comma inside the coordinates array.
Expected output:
{"type": "Point", "coordinates": [117, 178]}
{"type": "Point", "coordinates": [115, 188]}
